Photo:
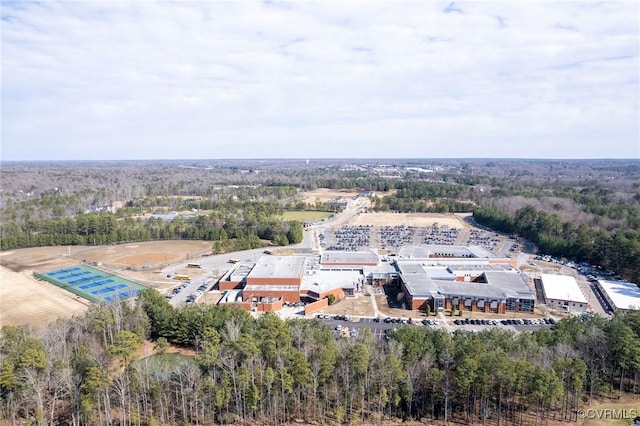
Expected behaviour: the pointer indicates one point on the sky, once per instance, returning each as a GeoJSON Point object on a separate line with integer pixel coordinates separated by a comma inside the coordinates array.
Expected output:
{"type": "Point", "coordinates": [118, 80]}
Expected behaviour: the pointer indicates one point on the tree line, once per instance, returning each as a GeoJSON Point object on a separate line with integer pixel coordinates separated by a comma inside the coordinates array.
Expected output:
{"type": "Point", "coordinates": [619, 251]}
{"type": "Point", "coordinates": [231, 224]}
{"type": "Point", "coordinates": [86, 370]}
{"type": "Point", "coordinates": [429, 197]}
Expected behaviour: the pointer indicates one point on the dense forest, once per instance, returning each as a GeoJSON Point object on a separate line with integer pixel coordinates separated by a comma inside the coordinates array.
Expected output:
{"type": "Point", "coordinates": [619, 251]}
{"type": "Point", "coordinates": [86, 370]}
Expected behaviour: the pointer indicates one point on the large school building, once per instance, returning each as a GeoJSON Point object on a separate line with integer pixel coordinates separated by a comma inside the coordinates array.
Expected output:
{"type": "Point", "coordinates": [468, 278]}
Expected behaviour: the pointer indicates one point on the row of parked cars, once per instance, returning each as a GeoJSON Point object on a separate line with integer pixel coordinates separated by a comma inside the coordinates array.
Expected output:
{"type": "Point", "coordinates": [353, 332]}
{"type": "Point", "coordinates": [335, 317]}
{"type": "Point", "coordinates": [178, 289]}
{"type": "Point", "coordinates": [390, 320]}
{"type": "Point", "coordinates": [534, 321]}
{"type": "Point", "coordinates": [194, 296]}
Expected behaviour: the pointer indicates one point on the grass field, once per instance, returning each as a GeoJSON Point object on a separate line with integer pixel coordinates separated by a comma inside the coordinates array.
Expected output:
{"type": "Point", "coordinates": [305, 215]}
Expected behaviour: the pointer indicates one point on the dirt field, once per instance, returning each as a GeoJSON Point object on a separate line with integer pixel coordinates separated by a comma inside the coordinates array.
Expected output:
{"type": "Point", "coordinates": [324, 195]}
{"type": "Point", "coordinates": [139, 255]}
{"type": "Point", "coordinates": [25, 300]}
{"type": "Point", "coordinates": [359, 305]}
{"type": "Point", "coordinates": [409, 219]}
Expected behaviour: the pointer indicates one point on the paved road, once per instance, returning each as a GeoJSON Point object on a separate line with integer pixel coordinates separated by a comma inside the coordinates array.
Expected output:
{"type": "Point", "coordinates": [378, 329]}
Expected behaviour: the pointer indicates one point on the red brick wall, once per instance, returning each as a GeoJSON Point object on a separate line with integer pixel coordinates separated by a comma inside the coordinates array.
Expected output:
{"type": "Point", "coordinates": [315, 306]}
{"type": "Point", "coordinates": [229, 285]}
{"type": "Point", "coordinates": [338, 293]}
{"type": "Point", "coordinates": [269, 307]}
{"type": "Point", "coordinates": [274, 281]}
{"type": "Point", "coordinates": [420, 304]}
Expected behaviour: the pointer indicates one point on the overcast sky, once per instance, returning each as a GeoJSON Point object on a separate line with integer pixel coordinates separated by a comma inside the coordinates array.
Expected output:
{"type": "Point", "coordinates": [356, 79]}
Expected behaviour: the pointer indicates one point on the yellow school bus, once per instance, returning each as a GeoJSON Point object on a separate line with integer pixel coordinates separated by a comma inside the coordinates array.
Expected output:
{"type": "Point", "coordinates": [181, 277]}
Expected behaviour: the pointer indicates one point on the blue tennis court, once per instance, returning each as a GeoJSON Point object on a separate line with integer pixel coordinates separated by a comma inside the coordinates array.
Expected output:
{"type": "Point", "coordinates": [92, 284]}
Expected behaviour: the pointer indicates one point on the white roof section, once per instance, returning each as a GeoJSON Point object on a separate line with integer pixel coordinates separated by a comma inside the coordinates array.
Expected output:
{"type": "Point", "coordinates": [444, 251]}
{"type": "Point", "coordinates": [240, 271]}
{"type": "Point", "coordinates": [383, 268]}
{"type": "Point", "coordinates": [480, 267]}
{"type": "Point", "coordinates": [267, 287]}
{"type": "Point", "coordinates": [623, 294]}
{"type": "Point", "coordinates": [278, 267]}
{"type": "Point", "coordinates": [349, 257]}
{"type": "Point", "coordinates": [562, 287]}
{"type": "Point", "coordinates": [325, 280]}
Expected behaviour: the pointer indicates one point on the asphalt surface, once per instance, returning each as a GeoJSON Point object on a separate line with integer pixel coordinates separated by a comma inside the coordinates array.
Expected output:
{"type": "Point", "coordinates": [378, 329]}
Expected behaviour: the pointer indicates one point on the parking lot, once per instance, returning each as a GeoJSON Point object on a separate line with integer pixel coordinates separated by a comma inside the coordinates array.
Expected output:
{"type": "Point", "coordinates": [350, 327]}
{"type": "Point", "coordinates": [189, 291]}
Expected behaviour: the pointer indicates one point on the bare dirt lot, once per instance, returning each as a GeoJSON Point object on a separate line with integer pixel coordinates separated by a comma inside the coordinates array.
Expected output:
{"type": "Point", "coordinates": [359, 305]}
{"type": "Point", "coordinates": [409, 219]}
{"type": "Point", "coordinates": [25, 300]}
{"type": "Point", "coordinates": [324, 195]}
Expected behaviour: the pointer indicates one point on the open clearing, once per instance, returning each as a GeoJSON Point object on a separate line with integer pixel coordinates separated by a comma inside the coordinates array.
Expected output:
{"type": "Point", "coordinates": [324, 195]}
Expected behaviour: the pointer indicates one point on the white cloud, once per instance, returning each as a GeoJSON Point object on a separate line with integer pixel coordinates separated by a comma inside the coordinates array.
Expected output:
{"type": "Point", "coordinates": [319, 79]}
